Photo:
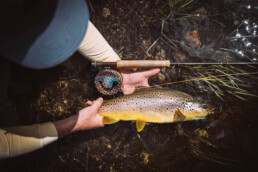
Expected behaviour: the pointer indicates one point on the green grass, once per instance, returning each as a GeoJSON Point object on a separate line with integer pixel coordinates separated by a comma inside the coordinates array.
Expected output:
{"type": "Point", "coordinates": [220, 86]}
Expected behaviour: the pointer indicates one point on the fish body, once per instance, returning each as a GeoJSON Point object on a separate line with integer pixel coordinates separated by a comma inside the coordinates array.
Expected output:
{"type": "Point", "coordinates": [153, 105]}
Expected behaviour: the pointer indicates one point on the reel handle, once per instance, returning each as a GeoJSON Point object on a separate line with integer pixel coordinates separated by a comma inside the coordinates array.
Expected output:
{"type": "Point", "coordinates": [142, 63]}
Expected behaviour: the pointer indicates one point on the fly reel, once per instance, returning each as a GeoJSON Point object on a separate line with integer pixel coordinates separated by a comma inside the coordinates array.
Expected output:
{"type": "Point", "coordinates": [108, 81]}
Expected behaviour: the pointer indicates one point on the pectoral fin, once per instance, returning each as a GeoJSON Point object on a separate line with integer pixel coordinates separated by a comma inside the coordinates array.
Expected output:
{"type": "Point", "coordinates": [107, 120]}
{"type": "Point", "coordinates": [179, 116]}
{"type": "Point", "coordinates": [140, 125]}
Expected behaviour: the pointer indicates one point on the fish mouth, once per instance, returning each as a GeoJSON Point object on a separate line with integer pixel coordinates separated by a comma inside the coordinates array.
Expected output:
{"type": "Point", "coordinates": [198, 117]}
{"type": "Point", "coordinates": [204, 114]}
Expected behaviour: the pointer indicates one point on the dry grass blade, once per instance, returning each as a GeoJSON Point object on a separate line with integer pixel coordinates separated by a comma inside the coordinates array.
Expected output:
{"type": "Point", "coordinates": [246, 94]}
{"type": "Point", "coordinates": [218, 85]}
{"type": "Point", "coordinates": [230, 92]}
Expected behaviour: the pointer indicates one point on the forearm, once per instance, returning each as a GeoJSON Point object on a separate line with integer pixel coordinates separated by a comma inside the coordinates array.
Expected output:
{"type": "Point", "coordinates": [19, 140]}
{"type": "Point", "coordinates": [67, 126]}
{"type": "Point", "coordinates": [95, 47]}
{"type": "Point", "coordinates": [86, 119]}
{"type": "Point", "coordinates": [23, 139]}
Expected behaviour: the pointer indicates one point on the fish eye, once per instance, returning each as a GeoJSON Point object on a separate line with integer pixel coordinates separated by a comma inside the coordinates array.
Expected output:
{"type": "Point", "coordinates": [205, 106]}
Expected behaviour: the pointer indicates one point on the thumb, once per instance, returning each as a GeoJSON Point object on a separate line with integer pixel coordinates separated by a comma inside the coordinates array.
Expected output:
{"type": "Point", "coordinates": [151, 72]}
{"type": "Point", "coordinates": [97, 103]}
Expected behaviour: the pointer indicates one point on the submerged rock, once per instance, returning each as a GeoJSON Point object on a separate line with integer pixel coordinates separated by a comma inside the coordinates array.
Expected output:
{"type": "Point", "coordinates": [192, 38]}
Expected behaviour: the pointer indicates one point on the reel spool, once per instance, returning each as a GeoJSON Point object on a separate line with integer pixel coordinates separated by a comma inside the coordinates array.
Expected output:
{"type": "Point", "coordinates": [108, 81]}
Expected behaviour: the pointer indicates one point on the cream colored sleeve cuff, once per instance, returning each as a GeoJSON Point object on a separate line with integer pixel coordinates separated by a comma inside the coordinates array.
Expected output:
{"type": "Point", "coordinates": [95, 47]}
{"type": "Point", "coordinates": [23, 139]}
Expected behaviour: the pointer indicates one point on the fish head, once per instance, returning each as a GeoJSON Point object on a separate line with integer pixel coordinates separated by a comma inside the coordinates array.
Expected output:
{"type": "Point", "coordinates": [197, 110]}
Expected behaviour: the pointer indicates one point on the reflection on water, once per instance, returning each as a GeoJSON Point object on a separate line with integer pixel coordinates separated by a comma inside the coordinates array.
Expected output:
{"type": "Point", "coordinates": [244, 40]}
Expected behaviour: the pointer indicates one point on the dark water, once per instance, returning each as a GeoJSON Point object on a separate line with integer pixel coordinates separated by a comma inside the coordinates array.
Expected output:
{"type": "Point", "coordinates": [227, 31]}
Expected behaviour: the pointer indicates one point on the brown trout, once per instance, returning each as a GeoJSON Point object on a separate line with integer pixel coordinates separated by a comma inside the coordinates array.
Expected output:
{"type": "Point", "coordinates": [153, 105]}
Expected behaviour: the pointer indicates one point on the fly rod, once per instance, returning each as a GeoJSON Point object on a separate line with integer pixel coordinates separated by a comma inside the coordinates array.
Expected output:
{"type": "Point", "coordinates": [109, 81]}
{"type": "Point", "coordinates": [160, 63]}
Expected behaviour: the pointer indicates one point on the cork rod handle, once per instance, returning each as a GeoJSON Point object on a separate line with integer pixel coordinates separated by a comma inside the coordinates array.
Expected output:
{"type": "Point", "coordinates": [142, 63]}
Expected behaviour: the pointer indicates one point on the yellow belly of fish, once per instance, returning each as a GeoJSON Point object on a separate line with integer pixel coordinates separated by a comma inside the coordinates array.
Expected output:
{"type": "Point", "coordinates": [155, 117]}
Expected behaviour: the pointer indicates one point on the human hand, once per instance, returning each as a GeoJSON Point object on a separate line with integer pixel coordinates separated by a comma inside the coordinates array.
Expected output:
{"type": "Point", "coordinates": [133, 79]}
{"type": "Point", "coordinates": [88, 117]}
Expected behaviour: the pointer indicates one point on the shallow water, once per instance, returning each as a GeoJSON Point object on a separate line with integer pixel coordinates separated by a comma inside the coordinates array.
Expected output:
{"type": "Point", "coordinates": [226, 143]}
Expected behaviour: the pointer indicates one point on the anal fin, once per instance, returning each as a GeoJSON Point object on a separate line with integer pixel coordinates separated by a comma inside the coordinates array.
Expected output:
{"type": "Point", "coordinates": [179, 116]}
{"type": "Point", "coordinates": [140, 125]}
{"type": "Point", "coordinates": [107, 120]}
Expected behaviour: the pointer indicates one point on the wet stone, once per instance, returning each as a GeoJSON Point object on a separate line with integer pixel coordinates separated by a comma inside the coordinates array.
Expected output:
{"type": "Point", "coordinates": [161, 77]}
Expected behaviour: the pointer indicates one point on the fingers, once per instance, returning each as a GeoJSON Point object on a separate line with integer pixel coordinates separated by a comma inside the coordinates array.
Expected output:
{"type": "Point", "coordinates": [89, 102]}
{"type": "Point", "coordinates": [151, 72]}
{"type": "Point", "coordinates": [97, 103]}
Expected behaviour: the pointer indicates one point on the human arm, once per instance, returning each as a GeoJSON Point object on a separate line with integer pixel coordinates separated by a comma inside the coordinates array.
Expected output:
{"type": "Point", "coordinates": [19, 140]}
{"type": "Point", "coordinates": [96, 48]}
